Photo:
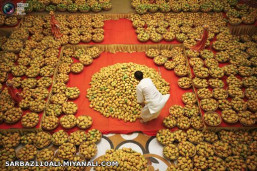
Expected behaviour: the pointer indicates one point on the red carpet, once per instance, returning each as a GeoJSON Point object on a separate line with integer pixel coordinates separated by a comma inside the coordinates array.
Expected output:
{"type": "Point", "coordinates": [121, 32]}
{"type": "Point", "coordinates": [110, 125]}
{"type": "Point", "coordinates": [118, 32]}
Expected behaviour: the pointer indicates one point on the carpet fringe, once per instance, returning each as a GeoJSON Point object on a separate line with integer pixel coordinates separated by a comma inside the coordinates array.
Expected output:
{"type": "Point", "coordinates": [243, 29]}
{"type": "Point", "coordinates": [114, 48]}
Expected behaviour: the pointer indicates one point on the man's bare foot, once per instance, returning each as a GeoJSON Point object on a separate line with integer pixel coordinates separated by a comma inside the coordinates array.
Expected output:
{"type": "Point", "coordinates": [141, 121]}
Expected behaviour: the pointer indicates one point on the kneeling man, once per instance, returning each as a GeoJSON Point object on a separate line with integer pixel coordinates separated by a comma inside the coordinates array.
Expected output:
{"type": "Point", "coordinates": [149, 97]}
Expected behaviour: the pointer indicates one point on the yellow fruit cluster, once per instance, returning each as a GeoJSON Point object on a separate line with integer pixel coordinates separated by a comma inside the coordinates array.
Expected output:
{"type": "Point", "coordinates": [30, 120]}
{"type": "Point", "coordinates": [49, 122]}
{"type": "Point", "coordinates": [66, 151]}
{"type": "Point", "coordinates": [88, 149]}
{"type": "Point", "coordinates": [28, 138]}
{"type": "Point", "coordinates": [84, 122]}
{"type": "Point", "coordinates": [127, 159]}
{"type": "Point", "coordinates": [45, 155]}
{"type": "Point", "coordinates": [42, 140]}
{"type": "Point", "coordinates": [27, 153]}
{"type": "Point", "coordinates": [60, 137]}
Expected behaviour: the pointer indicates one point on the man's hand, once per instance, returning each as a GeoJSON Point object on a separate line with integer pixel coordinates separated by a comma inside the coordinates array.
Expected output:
{"type": "Point", "coordinates": [143, 103]}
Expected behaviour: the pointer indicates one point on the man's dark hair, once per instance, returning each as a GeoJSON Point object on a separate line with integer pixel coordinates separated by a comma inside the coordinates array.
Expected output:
{"type": "Point", "coordinates": [139, 75]}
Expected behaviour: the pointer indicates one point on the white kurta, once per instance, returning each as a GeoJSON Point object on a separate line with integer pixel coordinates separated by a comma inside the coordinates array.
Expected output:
{"type": "Point", "coordinates": [155, 101]}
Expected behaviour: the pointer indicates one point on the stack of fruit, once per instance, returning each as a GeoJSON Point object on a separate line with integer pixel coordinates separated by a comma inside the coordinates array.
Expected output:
{"type": "Point", "coordinates": [237, 74]}
{"type": "Point", "coordinates": [69, 5]}
{"type": "Point", "coordinates": [205, 150]}
{"type": "Point", "coordinates": [184, 117]}
{"type": "Point", "coordinates": [28, 146]}
{"type": "Point", "coordinates": [159, 26]}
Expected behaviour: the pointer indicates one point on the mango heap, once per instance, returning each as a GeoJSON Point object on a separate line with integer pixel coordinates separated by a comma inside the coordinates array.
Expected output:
{"type": "Point", "coordinates": [113, 90]}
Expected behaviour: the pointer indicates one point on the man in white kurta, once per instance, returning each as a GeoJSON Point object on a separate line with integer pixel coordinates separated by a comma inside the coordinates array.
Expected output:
{"type": "Point", "coordinates": [148, 95]}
